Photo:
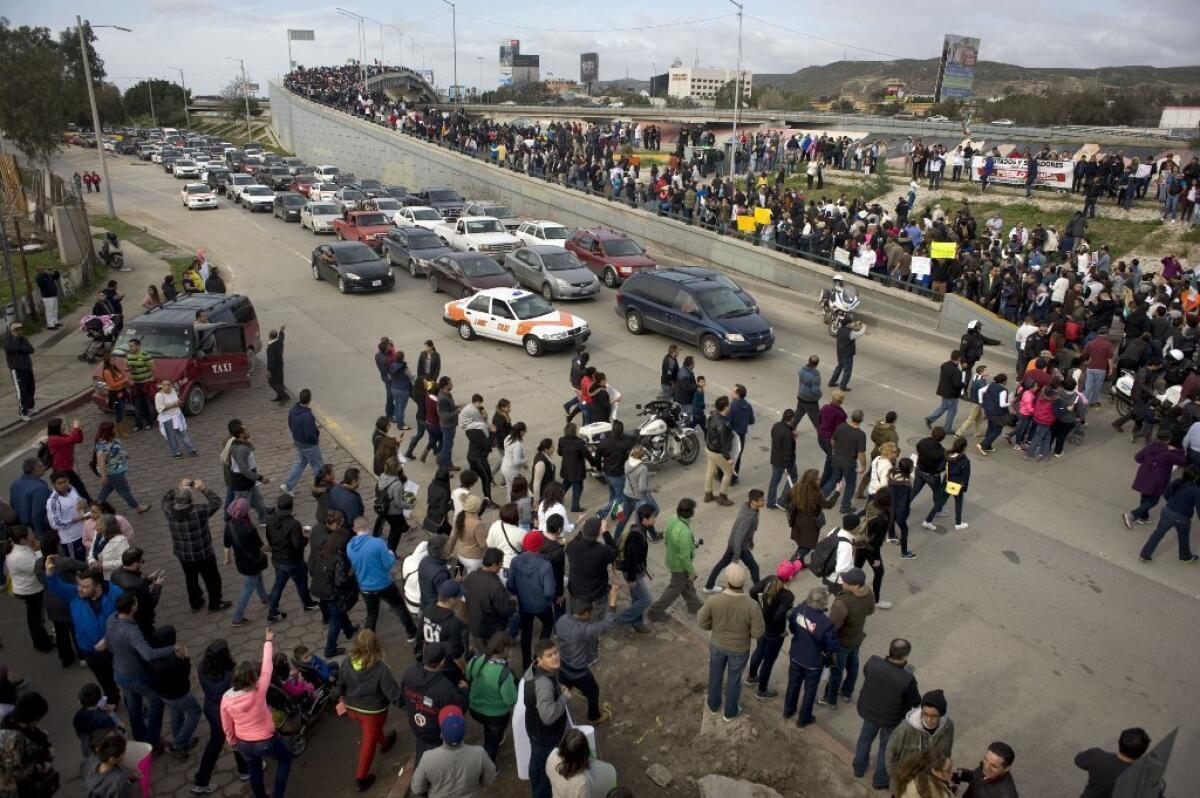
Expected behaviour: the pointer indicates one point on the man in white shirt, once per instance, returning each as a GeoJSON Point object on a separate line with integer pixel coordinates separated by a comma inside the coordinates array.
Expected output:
{"type": "Point", "coordinates": [65, 513]}
{"type": "Point", "coordinates": [20, 564]}
{"type": "Point", "coordinates": [1058, 291]}
{"type": "Point", "coordinates": [844, 559]}
{"type": "Point", "coordinates": [1026, 329]}
{"type": "Point", "coordinates": [994, 224]}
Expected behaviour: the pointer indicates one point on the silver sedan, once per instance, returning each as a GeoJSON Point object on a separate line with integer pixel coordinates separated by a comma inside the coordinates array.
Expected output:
{"type": "Point", "coordinates": [553, 272]}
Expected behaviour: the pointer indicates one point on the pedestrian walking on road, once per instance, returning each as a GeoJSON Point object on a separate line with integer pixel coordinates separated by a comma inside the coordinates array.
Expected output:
{"type": "Point", "coordinates": [17, 351]}
{"type": "Point", "coordinates": [132, 656]}
{"type": "Point", "coordinates": [806, 513]}
{"type": "Point", "coordinates": [848, 333]}
{"type": "Point", "coordinates": [775, 601]}
{"type": "Point", "coordinates": [888, 692]}
{"type": "Point", "coordinates": [741, 418]}
{"type": "Point", "coordinates": [48, 291]}
{"type": "Point", "coordinates": [367, 688]}
{"type": "Point", "coordinates": [734, 620]}
{"type": "Point", "coordinates": [1183, 501]}
{"type": "Point", "coordinates": [244, 546]}
{"type": "Point", "coordinates": [372, 564]}
{"type": "Point", "coordinates": [958, 479]}
{"type": "Point", "coordinates": [249, 728]}
{"type": "Point", "coordinates": [974, 396]}
{"type": "Point", "coordinates": [546, 715]}
{"type": "Point", "coordinates": [275, 340]}
{"type": "Point", "coordinates": [741, 541]}
{"type": "Point", "coordinates": [400, 383]}
{"type": "Point", "coordinates": [1105, 767]}
{"type": "Point", "coordinates": [241, 470]}
{"type": "Point", "coordinates": [718, 441]}
{"type": "Point", "coordinates": [950, 387]}
{"type": "Point", "coordinates": [306, 438]}
{"type": "Point", "coordinates": [1156, 460]}
{"type": "Point", "coordinates": [669, 373]}
{"type": "Point", "coordinates": [215, 674]}
{"type": "Point", "coordinates": [847, 458]}
{"type": "Point", "coordinates": [383, 361]}
{"type": "Point", "coordinates": [783, 456]}
{"type": "Point", "coordinates": [814, 642]}
{"type": "Point", "coordinates": [112, 464]}
{"type": "Point", "coordinates": [829, 419]}
{"type": "Point", "coordinates": [679, 559]}
{"type": "Point", "coordinates": [578, 635]}
{"type": "Point", "coordinates": [808, 392]}
{"type": "Point", "coordinates": [453, 768]}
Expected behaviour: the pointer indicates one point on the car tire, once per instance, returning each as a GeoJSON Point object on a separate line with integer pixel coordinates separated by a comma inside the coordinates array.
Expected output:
{"type": "Point", "coordinates": [433, 283]}
{"type": "Point", "coordinates": [465, 331]}
{"type": "Point", "coordinates": [710, 347]}
{"type": "Point", "coordinates": [532, 346]}
{"type": "Point", "coordinates": [610, 278]}
{"type": "Point", "coordinates": [195, 401]}
{"type": "Point", "coordinates": [412, 269]}
{"type": "Point", "coordinates": [341, 284]}
{"type": "Point", "coordinates": [316, 271]}
{"type": "Point", "coordinates": [547, 292]}
{"type": "Point", "coordinates": [634, 323]}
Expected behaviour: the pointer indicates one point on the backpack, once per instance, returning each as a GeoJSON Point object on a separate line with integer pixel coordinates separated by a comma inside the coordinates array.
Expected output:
{"type": "Point", "coordinates": [382, 503]}
{"type": "Point", "coordinates": [43, 454]}
{"type": "Point", "coordinates": [823, 559]}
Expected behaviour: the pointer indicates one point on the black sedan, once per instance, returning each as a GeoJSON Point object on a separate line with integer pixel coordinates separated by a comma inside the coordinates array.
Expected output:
{"type": "Point", "coordinates": [411, 248]}
{"type": "Point", "coordinates": [287, 206]}
{"type": "Point", "coordinates": [353, 266]}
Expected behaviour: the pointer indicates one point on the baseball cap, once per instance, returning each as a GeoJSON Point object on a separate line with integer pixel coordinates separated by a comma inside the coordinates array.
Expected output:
{"type": "Point", "coordinates": [854, 576]}
{"type": "Point", "coordinates": [451, 722]}
{"type": "Point", "coordinates": [449, 589]}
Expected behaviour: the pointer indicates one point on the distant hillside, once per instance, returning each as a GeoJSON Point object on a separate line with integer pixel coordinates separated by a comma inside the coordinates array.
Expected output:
{"type": "Point", "coordinates": [992, 78]}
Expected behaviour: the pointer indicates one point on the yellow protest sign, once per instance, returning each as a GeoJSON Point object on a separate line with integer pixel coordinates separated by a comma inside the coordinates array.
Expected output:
{"type": "Point", "coordinates": [746, 224]}
{"type": "Point", "coordinates": [762, 215]}
{"type": "Point", "coordinates": [942, 249]}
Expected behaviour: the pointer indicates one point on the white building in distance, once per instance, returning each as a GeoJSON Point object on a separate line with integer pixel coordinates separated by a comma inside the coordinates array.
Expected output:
{"type": "Point", "coordinates": [702, 85]}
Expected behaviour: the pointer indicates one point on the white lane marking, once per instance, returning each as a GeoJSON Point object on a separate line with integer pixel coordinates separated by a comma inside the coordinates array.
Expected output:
{"type": "Point", "coordinates": [22, 450]}
{"type": "Point", "coordinates": [860, 378]}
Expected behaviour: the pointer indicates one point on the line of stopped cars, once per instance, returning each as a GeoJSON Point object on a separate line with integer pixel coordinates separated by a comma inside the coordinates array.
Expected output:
{"type": "Point", "coordinates": [504, 273]}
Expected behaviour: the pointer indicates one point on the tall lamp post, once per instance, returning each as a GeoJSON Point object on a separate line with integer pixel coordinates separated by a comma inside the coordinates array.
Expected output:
{"type": "Point", "coordinates": [399, 45]}
{"type": "Point", "coordinates": [187, 117]}
{"type": "Point", "coordinates": [454, 34]}
{"type": "Point", "coordinates": [380, 24]}
{"type": "Point", "coordinates": [362, 47]}
{"type": "Point", "coordinates": [737, 94]}
{"type": "Point", "coordinates": [479, 91]}
{"type": "Point", "coordinates": [87, 76]}
{"type": "Point", "coordinates": [245, 96]}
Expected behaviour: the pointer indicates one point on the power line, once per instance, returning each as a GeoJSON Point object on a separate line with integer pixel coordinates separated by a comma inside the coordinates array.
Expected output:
{"type": "Point", "coordinates": [656, 26]}
{"type": "Point", "coordinates": [892, 56]}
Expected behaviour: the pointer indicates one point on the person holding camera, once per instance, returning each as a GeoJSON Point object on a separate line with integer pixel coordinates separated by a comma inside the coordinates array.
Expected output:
{"type": "Point", "coordinates": [993, 777]}
{"type": "Point", "coordinates": [681, 544]}
{"type": "Point", "coordinates": [188, 509]}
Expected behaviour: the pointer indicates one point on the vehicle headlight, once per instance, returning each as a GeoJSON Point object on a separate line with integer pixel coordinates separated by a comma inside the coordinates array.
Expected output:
{"type": "Point", "coordinates": [353, 276]}
{"type": "Point", "coordinates": [561, 282]}
{"type": "Point", "coordinates": [558, 336]}
{"type": "Point", "coordinates": [736, 338]}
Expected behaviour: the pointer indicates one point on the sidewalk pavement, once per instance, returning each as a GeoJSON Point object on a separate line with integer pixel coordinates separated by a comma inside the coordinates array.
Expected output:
{"type": "Point", "coordinates": [60, 376]}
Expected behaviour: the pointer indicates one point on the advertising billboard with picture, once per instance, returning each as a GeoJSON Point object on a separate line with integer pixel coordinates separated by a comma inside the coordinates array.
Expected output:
{"type": "Point", "coordinates": [956, 74]}
{"type": "Point", "coordinates": [589, 67]}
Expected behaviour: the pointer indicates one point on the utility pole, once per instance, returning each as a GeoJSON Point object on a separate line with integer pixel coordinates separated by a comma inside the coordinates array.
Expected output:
{"type": "Point", "coordinates": [187, 117]}
{"type": "Point", "coordinates": [737, 94]}
{"type": "Point", "coordinates": [87, 76]}
{"type": "Point", "coordinates": [150, 89]}
{"type": "Point", "coordinates": [399, 45]}
{"type": "Point", "coordinates": [245, 96]}
{"type": "Point", "coordinates": [454, 34]}
{"type": "Point", "coordinates": [362, 41]}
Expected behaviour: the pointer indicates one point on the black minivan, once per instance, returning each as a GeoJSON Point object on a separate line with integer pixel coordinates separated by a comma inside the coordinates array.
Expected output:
{"type": "Point", "coordinates": [696, 309]}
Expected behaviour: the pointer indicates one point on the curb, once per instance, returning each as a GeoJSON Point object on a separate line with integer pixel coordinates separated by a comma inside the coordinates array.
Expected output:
{"type": "Point", "coordinates": [9, 431]}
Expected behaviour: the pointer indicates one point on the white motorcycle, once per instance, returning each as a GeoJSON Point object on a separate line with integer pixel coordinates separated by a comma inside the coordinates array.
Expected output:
{"type": "Point", "coordinates": [838, 307]}
{"type": "Point", "coordinates": [1122, 393]}
{"type": "Point", "coordinates": [665, 435]}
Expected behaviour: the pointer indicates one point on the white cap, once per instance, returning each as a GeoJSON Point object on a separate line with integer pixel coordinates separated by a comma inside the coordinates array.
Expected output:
{"type": "Point", "coordinates": [972, 324]}
{"type": "Point", "coordinates": [838, 278]}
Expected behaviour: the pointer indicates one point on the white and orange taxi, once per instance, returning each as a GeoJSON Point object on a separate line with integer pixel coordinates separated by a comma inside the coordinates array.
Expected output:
{"type": "Point", "coordinates": [516, 317]}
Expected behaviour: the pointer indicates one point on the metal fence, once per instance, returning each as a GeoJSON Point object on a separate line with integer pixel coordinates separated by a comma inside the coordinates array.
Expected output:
{"type": "Point", "coordinates": [756, 239]}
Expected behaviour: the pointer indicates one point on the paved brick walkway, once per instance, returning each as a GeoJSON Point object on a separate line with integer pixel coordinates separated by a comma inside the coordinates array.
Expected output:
{"type": "Point", "coordinates": [152, 472]}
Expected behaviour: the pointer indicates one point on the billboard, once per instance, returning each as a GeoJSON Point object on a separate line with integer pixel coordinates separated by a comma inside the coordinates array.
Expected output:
{"type": "Point", "coordinates": [589, 67]}
{"type": "Point", "coordinates": [427, 74]}
{"type": "Point", "coordinates": [508, 48]}
{"type": "Point", "coordinates": [956, 73]}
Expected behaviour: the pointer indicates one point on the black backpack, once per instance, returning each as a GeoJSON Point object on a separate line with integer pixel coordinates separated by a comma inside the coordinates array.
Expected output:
{"type": "Point", "coordinates": [823, 559]}
{"type": "Point", "coordinates": [43, 454]}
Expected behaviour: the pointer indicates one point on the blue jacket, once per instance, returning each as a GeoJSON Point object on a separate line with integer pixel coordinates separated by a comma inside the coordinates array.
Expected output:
{"type": "Point", "coordinates": [89, 617]}
{"type": "Point", "coordinates": [741, 416]}
{"type": "Point", "coordinates": [346, 501]}
{"type": "Point", "coordinates": [399, 377]}
{"type": "Point", "coordinates": [531, 580]}
{"type": "Point", "coordinates": [372, 562]}
{"type": "Point", "coordinates": [813, 636]}
{"type": "Point", "coordinates": [1183, 498]}
{"type": "Point", "coordinates": [809, 389]}
{"type": "Point", "coordinates": [28, 496]}
{"type": "Point", "coordinates": [304, 427]}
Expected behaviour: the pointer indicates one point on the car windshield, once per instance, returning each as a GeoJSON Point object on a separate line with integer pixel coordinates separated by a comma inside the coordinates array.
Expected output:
{"type": "Point", "coordinates": [424, 241]}
{"type": "Point", "coordinates": [259, 191]}
{"type": "Point", "coordinates": [621, 247]}
{"type": "Point", "coordinates": [292, 200]}
{"type": "Point", "coordinates": [329, 170]}
{"type": "Point", "coordinates": [721, 303]}
{"type": "Point", "coordinates": [305, 179]}
{"type": "Point", "coordinates": [480, 267]}
{"type": "Point", "coordinates": [530, 306]}
{"type": "Point", "coordinates": [324, 210]}
{"type": "Point", "coordinates": [387, 204]}
{"type": "Point", "coordinates": [485, 226]}
{"type": "Point", "coordinates": [556, 233]}
{"type": "Point", "coordinates": [218, 170]}
{"type": "Point", "coordinates": [198, 190]}
{"type": "Point", "coordinates": [721, 279]}
{"type": "Point", "coordinates": [499, 211]}
{"type": "Point", "coordinates": [351, 194]}
{"type": "Point", "coordinates": [371, 184]}
{"type": "Point", "coordinates": [242, 179]}
{"type": "Point", "coordinates": [444, 195]}
{"type": "Point", "coordinates": [185, 162]}
{"type": "Point", "coordinates": [561, 261]}
{"type": "Point", "coordinates": [168, 342]}
{"type": "Point", "coordinates": [359, 254]}
{"type": "Point", "coordinates": [372, 219]}
{"type": "Point", "coordinates": [426, 215]}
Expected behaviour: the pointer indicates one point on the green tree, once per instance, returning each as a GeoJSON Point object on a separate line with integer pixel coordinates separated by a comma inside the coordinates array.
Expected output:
{"type": "Point", "coordinates": [724, 97]}
{"type": "Point", "coordinates": [32, 90]}
{"type": "Point", "coordinates": [78, 109]}
{"type": "Point", "coordinates": [168, 101]}
{"type": "Point", "coordinates": [109, 104]}
{"type": "Point", "coordinates": [233, 101]}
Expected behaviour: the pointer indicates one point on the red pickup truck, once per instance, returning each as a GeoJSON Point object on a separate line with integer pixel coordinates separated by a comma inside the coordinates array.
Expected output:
{"type": "Point", "coordinates": [369, 227]}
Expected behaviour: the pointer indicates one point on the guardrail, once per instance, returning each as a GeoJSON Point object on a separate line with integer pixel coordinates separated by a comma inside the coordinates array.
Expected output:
{"type": "Point", "coordinates": [755, 239]}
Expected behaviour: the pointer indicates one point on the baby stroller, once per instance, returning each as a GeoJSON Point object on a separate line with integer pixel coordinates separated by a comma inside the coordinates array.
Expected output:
{"type": "Point", "coordinates": [293, 712]}
{"type": "Point", "coordinates": [101, 331]}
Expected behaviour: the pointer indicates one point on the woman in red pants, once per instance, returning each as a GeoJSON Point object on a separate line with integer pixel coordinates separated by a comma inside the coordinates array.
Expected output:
{"type": "Point", "coordinates": [367, 688]}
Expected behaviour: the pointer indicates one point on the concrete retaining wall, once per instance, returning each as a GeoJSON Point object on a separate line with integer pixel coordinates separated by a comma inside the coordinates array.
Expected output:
{"type": "Point", "coordinates": [322, 135]}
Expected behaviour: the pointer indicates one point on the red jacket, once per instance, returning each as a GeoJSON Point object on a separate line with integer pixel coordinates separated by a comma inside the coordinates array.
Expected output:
{"type": "Point", "coordinates": [62, 450]}
{"type": "Point", "coordinates": [1043, 410]}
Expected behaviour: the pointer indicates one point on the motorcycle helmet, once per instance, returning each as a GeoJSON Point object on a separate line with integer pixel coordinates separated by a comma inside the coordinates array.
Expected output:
{"type": "Point", "coordinates": [837, 278]}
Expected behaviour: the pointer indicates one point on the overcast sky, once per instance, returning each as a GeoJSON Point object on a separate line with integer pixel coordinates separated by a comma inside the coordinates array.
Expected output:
{"type": "Point", "coordinates": [198, 35]}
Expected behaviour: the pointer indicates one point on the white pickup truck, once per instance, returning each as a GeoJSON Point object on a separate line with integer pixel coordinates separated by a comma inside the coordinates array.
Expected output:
{"type": "Point", "coordinates": [484, 234]}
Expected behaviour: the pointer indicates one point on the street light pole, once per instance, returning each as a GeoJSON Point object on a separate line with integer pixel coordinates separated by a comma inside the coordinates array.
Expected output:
{"type": "Point", "coordinates": [187, 117]}
{"type": "Point", "coordinates": [399, 45]}
{"type": "Point", "coordinates": [454, 34]}
{"type": "Point", "coordinates": [362, 41]}
{"type": "Point", "coordinates": [479, 91]}
{"type": "Point", "coordinates": [150, 89]}
{"type": "Point", "coordinates": [245, 96]}
{"type": "Point", "coordinates": [737, 93]}
{"type": "Point", "coordinates": [87, 76]}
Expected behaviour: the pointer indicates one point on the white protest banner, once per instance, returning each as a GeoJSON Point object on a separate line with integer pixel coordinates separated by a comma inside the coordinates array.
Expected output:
{"type": "Point", "coordinates": [841, 256]}
{"type": "Point", "coordinates": [863, 263]}
{"type": "Point", "coordinates": [1012, 171]}
{"type": "Point", "coordinates": [920, 267]}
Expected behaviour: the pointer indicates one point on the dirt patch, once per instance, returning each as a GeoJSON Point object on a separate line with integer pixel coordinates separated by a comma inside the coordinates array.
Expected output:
{"type": "Point", "coordinates": [655, 686]}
